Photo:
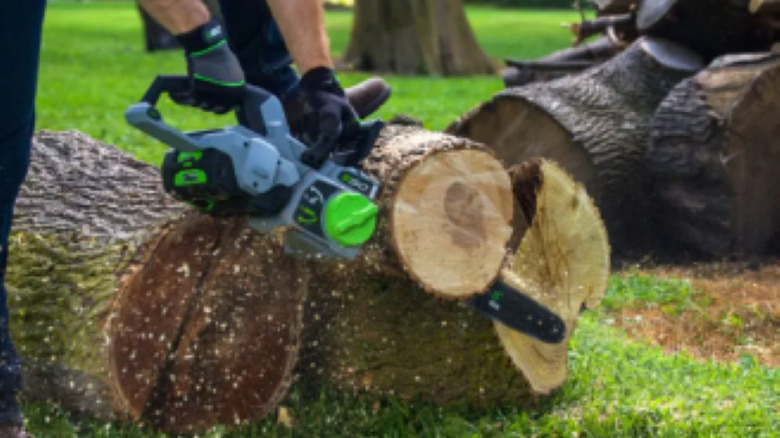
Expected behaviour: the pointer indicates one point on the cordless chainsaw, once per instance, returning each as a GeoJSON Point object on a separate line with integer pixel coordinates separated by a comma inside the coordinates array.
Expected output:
{"type": "Point", "coordinates": [315, 195]}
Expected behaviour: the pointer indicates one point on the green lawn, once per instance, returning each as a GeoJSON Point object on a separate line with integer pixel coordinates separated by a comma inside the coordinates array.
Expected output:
{"type": "Point", "coordinates": [93, 67]}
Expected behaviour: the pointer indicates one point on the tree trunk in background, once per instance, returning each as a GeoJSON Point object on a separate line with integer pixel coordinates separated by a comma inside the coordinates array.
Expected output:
{"type": "Point", "coordinates": [157, 37]}
{"type": "Point", "coordinates": [415, 37]}
{"type": "Point", "coordinates": [714, 156]}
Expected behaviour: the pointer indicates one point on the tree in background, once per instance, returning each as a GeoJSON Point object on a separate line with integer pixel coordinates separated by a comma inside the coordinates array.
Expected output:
{"type": "Point", "coordinates": [415, 37]}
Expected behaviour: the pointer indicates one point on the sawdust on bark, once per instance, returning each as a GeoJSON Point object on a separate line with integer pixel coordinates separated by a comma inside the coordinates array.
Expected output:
{"type": "Point", "coordinates": [735, 312]}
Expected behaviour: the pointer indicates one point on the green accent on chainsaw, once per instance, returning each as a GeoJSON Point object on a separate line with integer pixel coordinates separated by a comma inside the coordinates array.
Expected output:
{"type": "Point", "coordinates": [350, 219]}
{"type": "Point", "coordinates": [306, 216]}
{"type": "Point", "coordinates": [189, 156]}
{"type": "Point", "coordinates": [190, 177]}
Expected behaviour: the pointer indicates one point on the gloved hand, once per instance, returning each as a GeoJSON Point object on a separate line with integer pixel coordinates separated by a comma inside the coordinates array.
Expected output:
{"type": "Point", "coordinates": [217, 81]}
{"type": "Point", "coordinates": [328, 115]}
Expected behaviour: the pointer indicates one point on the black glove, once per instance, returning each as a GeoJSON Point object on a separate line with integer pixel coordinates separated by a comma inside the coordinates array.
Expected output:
{"type": "Point", "coordinates": [328, 115]}
{"type": "Point", "coordinates": [217, 81]}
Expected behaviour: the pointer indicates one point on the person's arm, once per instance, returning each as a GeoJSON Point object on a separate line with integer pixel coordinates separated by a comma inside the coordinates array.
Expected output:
{"type": "Point", "coordinates": [178, 16]}
{"type": "Point", "coordinates": [303, 27]}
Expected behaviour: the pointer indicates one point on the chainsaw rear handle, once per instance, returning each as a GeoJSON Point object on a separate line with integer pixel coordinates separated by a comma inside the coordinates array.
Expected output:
{"type": "Point", "coordinates": [249, 113]}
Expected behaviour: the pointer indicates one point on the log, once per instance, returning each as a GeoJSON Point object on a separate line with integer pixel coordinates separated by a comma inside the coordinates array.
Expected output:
{"type": "Point", "coordinates": [764, 6]}
{"type": "Point", "coordinates": [561, 63]}
{"type": "Point", "coordinates": [83, 211]}
{"type": "Point", "coordinates": [714, 155]}
{"type": "Point", "coordinates": [710, 28]}
{"type": "Point", "coordinates": [205, 320]}
{"type": "Point", "coordinates": [382, 334]}
{"type": "Point", "coordinates": [614, 6]}
{"type": "Point", "coordinates": [596, 125]}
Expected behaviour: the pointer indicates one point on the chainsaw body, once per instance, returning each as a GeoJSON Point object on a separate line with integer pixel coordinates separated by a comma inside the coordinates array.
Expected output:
{"type": "Point", "coordinates": [256, 169]}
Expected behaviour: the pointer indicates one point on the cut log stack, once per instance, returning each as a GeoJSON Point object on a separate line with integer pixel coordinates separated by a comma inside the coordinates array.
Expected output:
{"type": "Point", "coordinates": [679, 155]}
{"type": "Point", "coordinates": [129, 305]}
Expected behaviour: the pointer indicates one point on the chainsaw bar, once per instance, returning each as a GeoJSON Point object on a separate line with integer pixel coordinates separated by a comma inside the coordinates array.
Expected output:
{"type": "Point", "coordinates": [513, 308]}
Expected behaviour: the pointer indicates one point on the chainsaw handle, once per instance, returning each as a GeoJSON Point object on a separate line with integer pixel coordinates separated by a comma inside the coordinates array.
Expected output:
{"type": "Point", "coordinates": [165, 84]}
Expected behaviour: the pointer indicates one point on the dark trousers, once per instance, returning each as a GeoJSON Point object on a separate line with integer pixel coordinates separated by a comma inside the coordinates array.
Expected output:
{"type": "Point", "coordinates": [255, 39]}
{"type": "Point", "coordinates": [20, 40]}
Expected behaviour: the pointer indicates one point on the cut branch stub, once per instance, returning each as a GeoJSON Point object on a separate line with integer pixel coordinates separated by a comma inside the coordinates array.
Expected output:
{"type": "Point", "coordinates": [595, 125]}
{"type": "Point", "coordinates": [714, 155]}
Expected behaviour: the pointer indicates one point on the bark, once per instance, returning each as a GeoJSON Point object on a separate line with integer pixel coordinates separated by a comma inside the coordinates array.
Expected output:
{"type": "Point", "coordinates": [714, 156]}
{"type": "Point", "coordinates": [82, 213]}
{"type": "Point", "coordinates": [710, 28]}
{"type": "Point", "coordinates": [415, 37]}
{"type": "Point", "coordinates": [596, 125]}
{"type": "Point", "coordinates": [614, 6]}
{"type": "Point", "coordinates": [561, 63]}
{"type": "Point", "coordinates": [195, 321]}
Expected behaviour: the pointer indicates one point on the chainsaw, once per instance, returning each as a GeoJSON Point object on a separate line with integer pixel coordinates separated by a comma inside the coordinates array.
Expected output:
{"type": "Point", "coordinates": [322, 203]}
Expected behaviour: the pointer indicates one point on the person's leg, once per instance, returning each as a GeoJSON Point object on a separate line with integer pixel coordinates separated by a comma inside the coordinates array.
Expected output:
{"type": "Point", "coordinates": [255, 39]}
{"type": "Point", "coordinates": [20, 36]}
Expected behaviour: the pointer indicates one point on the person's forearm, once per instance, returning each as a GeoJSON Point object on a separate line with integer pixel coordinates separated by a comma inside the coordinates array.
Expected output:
{"type": "Point", "coordinates": [178, 16]}
{"type": "Point", "coordinates": [303, 28]}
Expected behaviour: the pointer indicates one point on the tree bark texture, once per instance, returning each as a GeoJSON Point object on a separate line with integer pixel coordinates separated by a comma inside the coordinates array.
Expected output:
{"type": "Point", "coordinates": [415, 37]}
{"type": "Point", "coordinates": [561, 63]}
{"type": "Point", "coordinates": [714, 155]}
{"type": "Point", "coordinates": [708, 27]}
{"type": "Point", "coordinates": [596, 125]}
{"type": "Point", "coordinates": [125, 300]}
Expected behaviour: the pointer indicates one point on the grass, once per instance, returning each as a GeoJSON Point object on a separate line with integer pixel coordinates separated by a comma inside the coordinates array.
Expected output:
{"type": "Point", "coordinates": [617, 388]}
{"type": "Point", "coordinates": [93, 67]}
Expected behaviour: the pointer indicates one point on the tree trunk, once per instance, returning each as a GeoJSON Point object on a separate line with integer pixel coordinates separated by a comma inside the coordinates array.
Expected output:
{"type": "Point", "coordinates": [209, 316]}
{"type": "Point", "coordinates": [714, 155]}
{"type": "Point", "coordinates": [596, 125]}
{"type": "Point", "coordinates": [156, 37]}
{"type": "Point", "coordinates": [415, 37]}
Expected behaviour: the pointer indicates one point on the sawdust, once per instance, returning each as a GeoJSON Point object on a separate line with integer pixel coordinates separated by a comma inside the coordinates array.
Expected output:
{"type": "Point", "coordinates": [735, 312]}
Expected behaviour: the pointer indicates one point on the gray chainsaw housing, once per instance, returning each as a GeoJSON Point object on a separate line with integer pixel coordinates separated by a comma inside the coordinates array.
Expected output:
{"type": "Point", "coordinates": [266, 160]}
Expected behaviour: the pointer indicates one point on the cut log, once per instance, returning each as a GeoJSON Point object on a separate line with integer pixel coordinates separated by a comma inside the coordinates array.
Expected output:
{"type": "Point", "coordinates": [710, 28]}
{"type": "Point", "coordinates": [764, 6]}
{"type": "Point", "coordinates": [82, 213]}
{"type": "Point", "coordinates": [596, 125]}
{"type": "Point", "coordinates": [209, 316]}
{"type": "Point", "coordinates": [614, 6]}
{"type": "Point", "coordinates": [714, 155]}
{"type": "Point", "coordinates": [383, 334]}
{"type": "Point", "coordinates": [563, 262]}
{"type": "Point", "coordinates": [561, 63]}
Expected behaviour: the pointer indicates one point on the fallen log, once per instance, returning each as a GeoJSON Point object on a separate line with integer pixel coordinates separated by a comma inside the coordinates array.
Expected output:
{"type": "Point", "coordinates": [710, 28]}
{"type": "Point", "coordinates": [561, 63]}
{"type": "Point", "coordinates": [382, 334]}
{"type": "Point", "coordinates": [596, 125]}
{"type": "Point", "coordinates": [210, 318]}
{"type": "Point", "coordinates": [714, 155]}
